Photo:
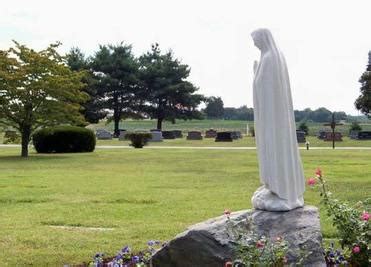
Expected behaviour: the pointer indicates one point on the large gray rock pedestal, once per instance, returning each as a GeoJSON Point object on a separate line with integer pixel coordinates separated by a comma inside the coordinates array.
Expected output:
{"type": "Point", "coordinates": [212, 243]}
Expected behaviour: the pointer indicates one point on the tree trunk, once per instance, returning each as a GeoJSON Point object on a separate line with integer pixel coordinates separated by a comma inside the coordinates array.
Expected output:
{"type": "Point", "coordinates": [159, 123]}
{"type": "Point", "coordinates": [116, 131]}
{"type": "Point", "coordinates": [26, 134]}
{"type": "Point", "coordinates": [116, 115]}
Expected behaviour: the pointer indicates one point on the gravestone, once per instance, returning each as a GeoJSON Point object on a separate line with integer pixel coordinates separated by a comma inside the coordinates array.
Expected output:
{"type": "Point", "coordinates": [329, 136]}
{"type": "Point", "coordinates": [168, 135]}
{"type": "Point", "coordinates": [156, 136]}
{"type": "Point", "coordinates": [322, 134]}
{"type": "Point", "coordinates": [122, 135]}
{"type": "Point", "coordinates": [236, 135]}
{"type": "Point", "coordinates": [364, 135]}
{"type": "Point", "coordinates": [224, 137]}
{"type": "Point", "coordinates": [353, 134]}
{"type": "Point", "coordinates": [194, 135]}
{"type": "Point", "coordinates": [103, 134]}
{"type": "Point", "coordinates": [178, 133]}
{"type": "Point", "coordinates": [300, 135]}
{"type": "Point", "coordinates": [210, 133]}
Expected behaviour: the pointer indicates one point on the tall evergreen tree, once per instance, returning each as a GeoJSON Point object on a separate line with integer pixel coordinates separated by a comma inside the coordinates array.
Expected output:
{"type": "Point", "coordinates": [170, 96]}
{"type": "Point", "coordinates": [92, 109]}
{"type": "Point", "coordinates": [38, 89]}
{"type": "Point", "coordinates": [116, 70]}
{"type": "Point", "coordinates": [363, 102]}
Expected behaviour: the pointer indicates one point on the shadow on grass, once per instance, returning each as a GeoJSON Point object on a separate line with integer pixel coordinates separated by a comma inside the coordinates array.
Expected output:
{"type": "Point", "coordinates": [38, 157]}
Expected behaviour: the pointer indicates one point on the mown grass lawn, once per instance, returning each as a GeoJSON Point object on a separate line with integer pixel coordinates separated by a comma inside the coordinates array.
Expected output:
{"type": "Point", "coordinates": [245, 141]}
{"type": "Point", "coordinates": [136, 195]}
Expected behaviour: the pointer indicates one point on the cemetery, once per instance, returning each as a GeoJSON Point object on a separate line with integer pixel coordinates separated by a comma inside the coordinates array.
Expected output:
{"type": "Point", "coordinates": [130, 143]}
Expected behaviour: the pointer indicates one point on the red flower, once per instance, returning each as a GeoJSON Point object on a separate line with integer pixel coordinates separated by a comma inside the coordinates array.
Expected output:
{"type": "Point", "coordinates": [356, 249]}
{"type": "Point", "coordinates": [365, 216]}
{"type": "Point", "coordinates": [311, 181]}
{"type": "Point", "coordinates": [319, 172]}
{"type": "Point", "coordinates": [260, 244]}
{"type": "Point", "coordinates": [228, 264]}
{"type": "Point", "coordinates": [227, 212]}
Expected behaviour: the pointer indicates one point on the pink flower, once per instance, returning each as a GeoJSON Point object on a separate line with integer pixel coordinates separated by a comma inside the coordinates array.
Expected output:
{"type": "Point", "coordinates": [365, 216]}
{"type": "Point", "coordinates": [311, 181]}
{"type": "Point", "coordinates": [260, 244]}
{"type": "Point", "coordinates": [278, 239]}
{"type": "Point", "coordinates": [319, 172]}
{"type": "Point", "coordinates": [227, 212]}
{"type": "Point", "coordinates": [356, 249]}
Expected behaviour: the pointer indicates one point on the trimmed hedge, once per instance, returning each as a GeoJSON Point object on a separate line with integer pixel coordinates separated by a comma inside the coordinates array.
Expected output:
{"type": "Point", "coordinates": [64, 139]}
{"type": "Point", "coordinates": [138, 140]}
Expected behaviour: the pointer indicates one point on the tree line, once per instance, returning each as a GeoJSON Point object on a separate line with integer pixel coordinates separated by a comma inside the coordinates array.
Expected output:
{"type": "Point", "coordinates": [215, 110]}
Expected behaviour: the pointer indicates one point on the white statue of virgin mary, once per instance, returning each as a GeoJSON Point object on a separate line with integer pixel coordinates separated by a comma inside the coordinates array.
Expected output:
{"type": "Point", "coordinates": [281, 171]}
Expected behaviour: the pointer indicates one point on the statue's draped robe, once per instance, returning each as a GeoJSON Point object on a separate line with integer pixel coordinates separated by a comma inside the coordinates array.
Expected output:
{"type": "Point", "coordinates": [275, 131]}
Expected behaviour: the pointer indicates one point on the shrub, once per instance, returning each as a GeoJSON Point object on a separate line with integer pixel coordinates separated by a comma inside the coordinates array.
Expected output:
{"type": "Point", "coordinates": [11, 137]}
{"type": "Point", "coordinates": [303, 127]}
{"type": "Point", "coordinates": [138, 140]}
{"type": "Point", "coordinates": [355, 127]}
{"type": "Point", "coordinates": [64, 139]}
{"type": "Point", "coordinates": [351, 222]}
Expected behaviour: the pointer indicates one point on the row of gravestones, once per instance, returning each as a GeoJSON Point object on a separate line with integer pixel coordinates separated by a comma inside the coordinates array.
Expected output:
{"type": "Point", "coordinates": [158, 136]}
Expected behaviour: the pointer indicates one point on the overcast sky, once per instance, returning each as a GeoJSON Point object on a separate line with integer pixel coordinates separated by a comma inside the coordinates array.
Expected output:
{"type": "Point", "coordinates": [326, 43]}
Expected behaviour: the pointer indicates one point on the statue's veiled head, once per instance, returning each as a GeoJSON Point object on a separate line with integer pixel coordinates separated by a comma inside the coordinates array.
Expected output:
{"type": "Point", "coordinates": [263, 39]}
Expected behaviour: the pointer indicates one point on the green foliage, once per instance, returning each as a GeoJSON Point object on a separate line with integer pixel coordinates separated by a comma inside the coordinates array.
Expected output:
{"type": "Point", "coordinates": [169, 95]}
{"type": "Point", "coordinates": [304, 127]}
{"type": "Point", "coordinates": [64, 139]}
{"type": "Point", "coordinates": [353, 229]}
{"type": "Point", "coordinates": [116, 70]}
{"type": "Point", "coordinates": [37, 89]}
{"type": "Point", "coordinates": [318, 115]}
{"type": "Point", "coordinates": [241, 113]}
{"type": "Point", "coordinates": [363, 102]}
{"type": "Point", "coordinates": [11, 137]}
{"type": "Point", "coordinates": [355, 127]}
{"type": "Point", "coordinates": [138, 140]}
{"type": "Point", "coordinates": [92, 109]}
{"type": "Point", "coordinates": [214, 108]}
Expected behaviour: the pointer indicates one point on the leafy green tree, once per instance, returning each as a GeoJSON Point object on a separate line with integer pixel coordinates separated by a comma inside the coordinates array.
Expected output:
{"type": "Point", "coordinates": [92, 109]}
{"type": "Point", "coordinates": [241, 113]}
{"type": "Point", "coordinates": [116, 70]}
{"type": "Point", "coordinates": [214, 108]}
{"type": "Point", "coordinates": [363, 102]}
{"type": "Point", "coordinates": [38, 89]}
{"type": "Point", "coordinates": [355, 127]}
{"type": "Point", "coordinates": [303, 127]}
{"type": "Point", "coordinates": [169, 95]}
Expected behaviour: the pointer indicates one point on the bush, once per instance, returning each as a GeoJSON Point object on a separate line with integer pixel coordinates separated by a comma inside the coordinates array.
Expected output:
{"type": "Point", "coordinates": [64, 139]}
{"type": "Point", "coordinates": [303, 127]}
{"type": "Point", "coordinates": [11, 137]}
{"type": "Point", "coordinates": [138, 140]}
{"type": "Point", "coordinates": [355, 127]}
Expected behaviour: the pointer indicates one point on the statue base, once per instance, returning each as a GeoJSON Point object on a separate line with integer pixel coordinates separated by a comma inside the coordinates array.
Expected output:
{"type": "Point", "coordinates": [264, 199]}
{"type": "Point", "coordinates": [215, 241]}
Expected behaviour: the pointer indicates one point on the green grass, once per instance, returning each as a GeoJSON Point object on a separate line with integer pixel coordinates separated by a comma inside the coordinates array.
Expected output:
{"type": "Point", "coordinates": [141, 194]}
{"type": "Point", "coordinates": [244, 142]}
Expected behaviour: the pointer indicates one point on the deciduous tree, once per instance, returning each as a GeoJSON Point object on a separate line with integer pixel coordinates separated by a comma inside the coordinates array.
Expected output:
{"type": "Point", "coordinates": [37, 89]}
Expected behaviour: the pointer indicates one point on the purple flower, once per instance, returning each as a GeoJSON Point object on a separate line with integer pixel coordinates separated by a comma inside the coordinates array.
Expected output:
{"type": "Point", "coordinates": [126, 250]}
{"type": "Point", "coordinates": [151, 243]}
{"type": "Point", "coordinates": [136, 259]}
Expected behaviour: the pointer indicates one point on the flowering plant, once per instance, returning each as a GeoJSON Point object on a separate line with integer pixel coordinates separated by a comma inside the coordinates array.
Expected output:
{"type": "Point", "coordinates": [126, 258]}
{"type": "Point", "coordinates": [351, 222]}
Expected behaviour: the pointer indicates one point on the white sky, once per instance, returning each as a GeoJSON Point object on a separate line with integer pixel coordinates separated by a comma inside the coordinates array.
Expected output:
{"type": "Point", "coordinates": [325, 42]}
